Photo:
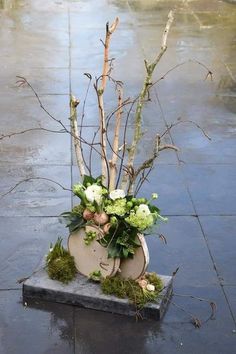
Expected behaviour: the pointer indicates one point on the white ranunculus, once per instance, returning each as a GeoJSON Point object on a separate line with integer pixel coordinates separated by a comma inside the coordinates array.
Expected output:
{"type": "Point", "coordinates": [93, 193]}
{"type": "Point", "coordinates": [150, 287]}
{"type": "Point", "coordinates": [143, 211]}
{"type": "Point", "coordinates": [117, 194]}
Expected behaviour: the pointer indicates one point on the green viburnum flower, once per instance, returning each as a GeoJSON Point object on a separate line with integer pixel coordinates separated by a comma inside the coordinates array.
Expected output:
{"type": "Point", "coordinates": [142, 218]}
{"type": "Point", "coordinates": [154, 195]}
{"type": "Point", "coordinates": [141, 223]}
{"type": "Point", "coordinates": [118, 207]}
{"type": "Point", "coordinates": [78, 189]}
{"type": "Point", "coordinates": [91, 207]}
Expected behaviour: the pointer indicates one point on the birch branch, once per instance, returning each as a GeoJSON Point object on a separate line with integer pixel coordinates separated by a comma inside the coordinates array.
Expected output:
{"type": "Point", "coordinates": [109, 31]}
{"type": "Point", "coordinates": [113, 161]}
{"type": "Point", "coordinates": [75, 133]}
{"type": "Point", "coordinates": [100, 92]}
{"type": "Point", "coordinates": [144, 93]}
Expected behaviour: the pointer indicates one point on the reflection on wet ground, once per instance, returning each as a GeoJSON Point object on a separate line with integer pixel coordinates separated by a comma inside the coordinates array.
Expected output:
{"type": "Point", "coordinates": [53, 43]}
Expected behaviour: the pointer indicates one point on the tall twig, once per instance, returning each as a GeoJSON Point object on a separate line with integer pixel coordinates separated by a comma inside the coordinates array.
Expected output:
{"type": "Point", "coordinates": [75, 133]}
{"type": "Point", "coordinates": [144, 93]}
{"type": "Point", "coordinates": [100, 92]}
{"type": "Point", "coordinates": [115, 149]}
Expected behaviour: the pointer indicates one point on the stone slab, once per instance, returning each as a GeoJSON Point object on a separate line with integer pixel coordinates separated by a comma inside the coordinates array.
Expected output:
{"type": "Point", "coordinates": [84, 293]}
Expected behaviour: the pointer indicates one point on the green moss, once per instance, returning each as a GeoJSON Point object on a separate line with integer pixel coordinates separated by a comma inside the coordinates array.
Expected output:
{"type": "Point", "coordinates": [130, 289]}
{"type": "Point", "coordinates": [153, 278]}
{"type": "Point", "coordinates": [60, 264]}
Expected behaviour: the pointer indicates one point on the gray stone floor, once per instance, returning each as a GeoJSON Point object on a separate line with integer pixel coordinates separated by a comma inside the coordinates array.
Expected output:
{"type": "Point", "coordinates": [53, 43]}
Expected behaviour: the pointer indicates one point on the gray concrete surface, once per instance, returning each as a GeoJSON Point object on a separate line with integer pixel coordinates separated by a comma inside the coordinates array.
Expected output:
{"type": "Point", "coordinates": [53, 43]}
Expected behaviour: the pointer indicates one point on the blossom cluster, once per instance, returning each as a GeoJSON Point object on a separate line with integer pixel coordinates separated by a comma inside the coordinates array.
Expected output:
{"type": "Point", "coordinates": [104, 207]}
{"type": "Point", "coordinates": [120, 217]}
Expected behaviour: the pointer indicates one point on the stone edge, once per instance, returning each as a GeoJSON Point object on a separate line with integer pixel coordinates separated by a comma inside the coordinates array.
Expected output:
{"type": "Point", "coordinates": [64, 295]}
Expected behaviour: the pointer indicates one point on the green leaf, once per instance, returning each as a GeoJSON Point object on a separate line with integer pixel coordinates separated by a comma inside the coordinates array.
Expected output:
{"type": "Point", "coordinates": [154, 209]}
{"type": "Point", "coordinates": [73, 220]}
{"type": "Point", "coordinates": [89, 179]}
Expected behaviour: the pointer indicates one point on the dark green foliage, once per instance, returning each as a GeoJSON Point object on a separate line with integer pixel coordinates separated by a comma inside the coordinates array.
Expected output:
{"type": "Point", "coordinates": [60, 264]}
{"type": "Point", "coordinates": [120, 240]}
{"type": "Point", "coordinates": [90, 180]}
{"type": "Point", "coordinates": [74, 220]}
{"type": "Point", "coordinates": [130, 289]}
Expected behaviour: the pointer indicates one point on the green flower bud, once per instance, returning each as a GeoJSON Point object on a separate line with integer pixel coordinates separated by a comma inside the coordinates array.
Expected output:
{"type": "Point", "coordinates": [129, 205]}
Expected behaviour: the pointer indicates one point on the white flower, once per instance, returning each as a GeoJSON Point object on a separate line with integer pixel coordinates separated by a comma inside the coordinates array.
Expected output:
{"type": "Point", "coordinates": [93, 193]}
{"type": "Point", "coordinates": [154, 195]}
{"type": "Point", "coordinates": [150, 287]}
{"type": "Point", "coordinates": [117, 194]}
{"type": "Point", "coordinates": [143, 211]}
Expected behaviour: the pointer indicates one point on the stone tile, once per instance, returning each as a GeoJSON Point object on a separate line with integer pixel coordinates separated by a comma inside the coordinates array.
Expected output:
{"type": "Point", "coordinates": [168, 182]}
{"type": "Point", "coordinates": [186, 249]}
{"type": "Point", "coordinates": [21, 332]}
{"type": "Point", "coordinates": [217, 121]}
{"type": "Point", "coordinates": [36, 147]}
{"type": "Point", "coordinates": [44, 81]}
{"type": "Point", "coordinates": [82, 15]}
{"type": "Point", "coordinates": [214, 336]}
{"type": "Point", "coordinates": [25, 241]}
{"type": "Point", "coordinates": [34, 197]}
{"type": "Point", "coordinates": [212, 188]}
{"type": "Point", "coordinates": [174, 335]}
{"type": "Point", "coordinates": [35, 49]}
{"type": "Point", "coordinates": [27, 107]}
{"type": "Point", "coordinates": [231, 296]}
{"type": "Point", "coordinates": [220, 234]}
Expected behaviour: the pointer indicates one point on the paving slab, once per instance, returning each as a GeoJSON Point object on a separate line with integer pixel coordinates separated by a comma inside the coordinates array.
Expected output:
{"type": "Point", "coordinates": [37, 327]}
{"type": "Point", "coordinates": [24, 242]}
{"type": "Point", "coordinates": [220, 233]}
{"type": "Point", "coordinates": [212, 188]}
{"type": "Point", "coordinates": [84, 293]}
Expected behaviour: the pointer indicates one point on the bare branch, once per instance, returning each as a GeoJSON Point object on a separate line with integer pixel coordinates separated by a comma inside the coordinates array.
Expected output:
{"type": "Point", "coordinates": [24, 81]}
{"type": "Point", "coordinates": [34, 178]}
{"type": "Point", "coordinates": [9, 135]}
{"type": "Point", "coordinates": [144, 93]}
{"type": "Point", "coordinates": [74, 128]}
{"type": "Point", "coordinates": [100, 92]}
{"type": "Point", "coordinates": [115, 148]}
{"type": "Point", "coordinates": [185, 121]}
{"type": "Point", "coordinates": [168, 146]}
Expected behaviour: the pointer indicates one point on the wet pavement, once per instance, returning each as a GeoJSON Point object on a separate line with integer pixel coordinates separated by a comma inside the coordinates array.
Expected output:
{"type": "Point", "coordinates": [52, 43]}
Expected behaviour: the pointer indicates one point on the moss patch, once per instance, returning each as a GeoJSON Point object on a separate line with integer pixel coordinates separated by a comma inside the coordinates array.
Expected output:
{"type": "Point", "coordinates": [60, 264]}
{"type": "Point", "coordinates": [130, 289]}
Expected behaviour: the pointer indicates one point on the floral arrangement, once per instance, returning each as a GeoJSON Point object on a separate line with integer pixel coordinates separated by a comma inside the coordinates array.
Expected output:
{"type": "Point", "coordinates": [121, 217]}
{"type": "Point", "coordinates": [110, 202]}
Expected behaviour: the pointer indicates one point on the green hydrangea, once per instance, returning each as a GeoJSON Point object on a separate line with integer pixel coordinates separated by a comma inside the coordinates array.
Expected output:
{"type": "Point", "coordinates": [78, 209]}
{"type": "Point", "coordinates": [141, 223]}
{"type": "Point", "coordinates": [117, 207]}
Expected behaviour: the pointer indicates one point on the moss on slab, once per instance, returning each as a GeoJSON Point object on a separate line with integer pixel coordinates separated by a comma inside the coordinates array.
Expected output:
{"type": "Point", "coordinates": [131, 289]}
{"type": "Point", "coordinates": [60, 264]}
